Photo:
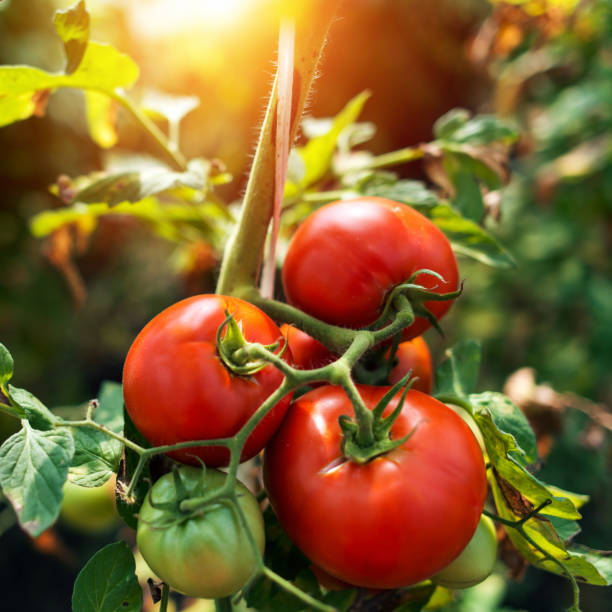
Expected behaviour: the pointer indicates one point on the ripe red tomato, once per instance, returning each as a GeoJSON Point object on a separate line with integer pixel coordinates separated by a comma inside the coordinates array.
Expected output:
{"type": "Point", "coordinates": [176, 387]}
{"type": "Point", "coordinates": [393, 521]}
{"type": "Point", "coordinates": [414, 355]}
{"type": "Point", "coordinates": [306, 352]}
{"type": "Point", "coordinates": [347, 256]}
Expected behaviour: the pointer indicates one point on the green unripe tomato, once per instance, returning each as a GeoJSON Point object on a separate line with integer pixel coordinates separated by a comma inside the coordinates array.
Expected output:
{"type": "Point", "coordinates": [476, 561]}
{"type": "Point", "coordinates": [89, 509]}
{"type": "Point", "coordinates": [205, 553]}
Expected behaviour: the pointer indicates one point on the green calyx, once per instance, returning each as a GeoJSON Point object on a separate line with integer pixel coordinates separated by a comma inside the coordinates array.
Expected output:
{"type": "Point", "coordinates": [369, 435]}
{"type": "Point", "coordinates": [409, 298]}
{"type": "Point", "coordinates": [233, 348]}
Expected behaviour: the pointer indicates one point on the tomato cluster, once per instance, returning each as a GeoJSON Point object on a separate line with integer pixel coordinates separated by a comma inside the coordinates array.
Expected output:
{"type": "Point", "coordinates": [398, 516]}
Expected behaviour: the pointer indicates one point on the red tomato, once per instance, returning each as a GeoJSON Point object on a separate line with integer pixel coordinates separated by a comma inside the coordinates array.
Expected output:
{"type": "Point", "coordinates": [347, 256]}
{"type": "Point", "coordinates": [414, 355]}
{"type": "Point", "coordinates": [388, 523]}
{"type": "Point", "coordinates": [306, 352]}
{"type": "Point", "coordinates": [176, 387]}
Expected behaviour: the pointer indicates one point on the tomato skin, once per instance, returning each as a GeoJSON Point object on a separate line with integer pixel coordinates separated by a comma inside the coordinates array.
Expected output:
{"type": "Point", "coordinates": [89, 509]}
{"type": "Point", "coordinates": [393, 521]}
{"type": "Point", "coordinates": [475, 562]}
{"type": "Point", "coordinates": [176, 388]}
{"type": "Point", "coordinates": [306, 352]}
{"type": "Point", "coordinates": [414, 355]}
{"type": "Point", "coordinates": [208, 555]}
{"type": "Point", "coordinates": [346, 257]}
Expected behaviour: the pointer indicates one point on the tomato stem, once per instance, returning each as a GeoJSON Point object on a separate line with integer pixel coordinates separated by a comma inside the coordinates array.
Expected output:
{"type": "Point", "coordinates": [224, 604]}
{"type": "Point", "coordinates": [244, 251]}
{"type": "Point", "coordinates": [163, 606]}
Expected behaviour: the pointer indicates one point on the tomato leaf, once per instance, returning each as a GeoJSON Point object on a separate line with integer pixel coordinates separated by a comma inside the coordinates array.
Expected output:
{"type": "Point", "coordinates": [468, 196]}
{"type": "Point", "coordinates": [509, 419]}
{"type": "Point", "coordinates": [310, 163]}
{"type": "Point", "coordinates": [446, 125]}
{"type": "Point", "coordinates": [108, 582]}
{"type": "Point", "coordinates": [458, 374]}
{"type": "Point", "coordinates": [39, 416]}
{"type": "Point", "coordinates": [586, 565]}
{"type": "Point", "coordinates": [468, 238]}
{"type": "Point", "coordinates": [457, 126]}
{"type": "Point", "coordinates": [413, 193]}
{"type": "Point", "coordinates": [520, 490]}
{"type": "Point", "coordinates": [33, 468]}
{"type": "Point", "coordinates": [97, 455]}
{"type": "Point", "coordinates": [102, 68]}
{"type": "Point", "coordinates": [6, 365]}
{"type": "Point", "coordinates": [72, 25]}
{"type": "Point", "coordinates": [100, 112]}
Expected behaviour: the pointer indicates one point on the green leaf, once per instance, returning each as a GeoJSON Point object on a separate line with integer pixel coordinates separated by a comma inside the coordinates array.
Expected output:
{"type": "Point", "coordinates": [97, 455]}
{"type": "Point", "coordinates": [482, 129]}
{"type": "Point", "coordinates": [458, 374]}
{"type": "Point", "coordinates": [565, 528]}
{"type": "Point", "coordinates": [6, 365]}
{"type": "Point", "coordinates": [522, 491]}
{"type": "Point", "coordinates": [600, 559]}
{"type": "Point", "coordinates": [33, 468]}
{"type": "Point", "coordinates": [108, 582]}
{"type": "Point", "coordinates": [316, 155]}
{"type": "Point", "coordinates": [133, 186]}
{"type": "Point", "coordinates": [39, 416]}
{"type": "Point", "coordinates": [413, 193]}
{"type": "Point", "coordinates": [72, 25]}
{"type": "Point", "coordinates": [110, 406]}
{"type": "Point", "coordinates": [508, 419]}
{"type": "Point", "coordinates": [584, 564]}
{"type": "Point", "coordinates": [450, 122]}
{"type": "Point", "coordinates": [467, 238]}
{"type": "Point", "coordinates": [102, 68]}
{"type": "Point", "coordinates": [172, 108]}
{"type": "Point", "coordinates": [468, 197]}
{"type": "Point", "coordinates": [100, 113]}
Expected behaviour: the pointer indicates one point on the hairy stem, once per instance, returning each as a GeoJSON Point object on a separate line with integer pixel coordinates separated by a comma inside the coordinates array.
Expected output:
{"type": "Point", "coordinates": [244, 250]}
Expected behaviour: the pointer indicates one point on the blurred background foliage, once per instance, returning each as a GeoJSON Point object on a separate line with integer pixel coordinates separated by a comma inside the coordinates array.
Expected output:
{"type": "Point", "coordinates": [545, 63]}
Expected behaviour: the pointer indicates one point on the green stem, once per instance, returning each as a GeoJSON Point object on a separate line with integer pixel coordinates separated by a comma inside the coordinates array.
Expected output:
{"type": "Point", "coordinates": [109, 432]}
{"type": "Point", "coordinates": [163, 606]}
{"type": "Point", "coordinates": [291, 588]}
{"type": "Point", "coordinates": [169, 149]}
{"type": "Point", "coordinates": [244, 250]}
{"type": "Point", "coordinates": [393, 158]}
{"type": "Point", "coordinates": [519, 525]}
{"type": "Point", "coordinates": [224, 604]}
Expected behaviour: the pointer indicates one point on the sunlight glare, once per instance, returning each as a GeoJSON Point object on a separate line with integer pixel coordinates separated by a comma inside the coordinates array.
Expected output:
{"type": "Point", "coordinates": [166, 17]}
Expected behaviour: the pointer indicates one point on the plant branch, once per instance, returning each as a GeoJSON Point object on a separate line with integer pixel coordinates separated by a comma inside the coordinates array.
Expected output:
{"type": "Point", "coordinates": [168, 148]}
{"type": "Point", "coordinates": [244, 250]}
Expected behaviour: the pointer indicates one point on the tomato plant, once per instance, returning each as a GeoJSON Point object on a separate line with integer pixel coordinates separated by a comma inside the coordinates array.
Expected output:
{"type": "Point", "coordinates": [475, 562]}
{"type": "Point", "coordinates": [413, 355]}
{"type": "Point", "coordinates": [204, 553]}
{"type": "Point", "coordinates": [392, 521]}
{"type": "Point", "coordinates": [177, 388]}
{"type": "Point", "coordinates": [346, 258]}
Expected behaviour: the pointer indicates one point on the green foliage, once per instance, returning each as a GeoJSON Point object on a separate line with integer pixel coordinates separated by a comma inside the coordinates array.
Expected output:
{"type": "Point", "coordinates": [96, 455]}
{"type": "Point", "coordinates": [108, 583]}
{"type": "Point", "coordinates": [72, 25]}
{"type": "Point", "coordinates": [33, 467]}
